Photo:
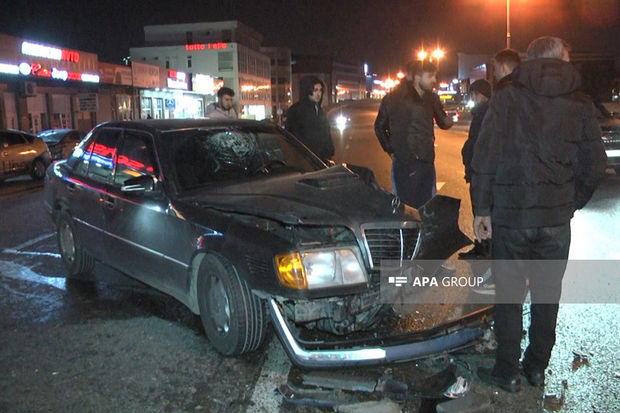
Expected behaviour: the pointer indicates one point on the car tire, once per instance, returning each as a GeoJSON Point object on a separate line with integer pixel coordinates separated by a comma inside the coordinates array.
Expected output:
{"type": "Point", "coordinates": [78, 262]}
{"type": "Point", "coordinates": [233, 317]}
{"type": "Point", "coordinates": [38, 169]}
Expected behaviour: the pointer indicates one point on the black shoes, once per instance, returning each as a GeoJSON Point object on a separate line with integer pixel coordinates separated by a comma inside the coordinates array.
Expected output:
{"type": "Point", "coordinates": [510, 384]}
{"type": "Point", "coordinates": [535, 378]}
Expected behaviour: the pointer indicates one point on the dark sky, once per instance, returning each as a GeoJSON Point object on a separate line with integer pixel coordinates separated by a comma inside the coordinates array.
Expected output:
{"type": "Point", "coordinates": [383, 33]}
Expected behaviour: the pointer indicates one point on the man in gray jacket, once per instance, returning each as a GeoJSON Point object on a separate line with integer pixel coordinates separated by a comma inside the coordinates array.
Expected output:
{"type": "Point", "coordinates": [538, 158]}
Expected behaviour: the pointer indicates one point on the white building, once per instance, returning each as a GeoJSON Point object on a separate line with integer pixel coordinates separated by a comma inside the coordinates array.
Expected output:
{"type": "Point", "coordinates": [228, 50]}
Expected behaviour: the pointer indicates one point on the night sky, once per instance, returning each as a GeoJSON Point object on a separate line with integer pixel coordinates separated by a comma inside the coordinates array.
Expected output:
{"type": "Point", "coordinates": [383, 33]}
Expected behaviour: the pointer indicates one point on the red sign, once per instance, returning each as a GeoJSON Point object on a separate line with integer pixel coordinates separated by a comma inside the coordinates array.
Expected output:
{"type": "Point", "coordinates": [70, 56]}
{"type": "Point", "coordinates": [203, 46]}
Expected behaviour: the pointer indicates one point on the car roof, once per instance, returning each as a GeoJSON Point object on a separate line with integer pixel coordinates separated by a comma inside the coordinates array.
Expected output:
{"type": "Point", "coordinates": [163, 125]}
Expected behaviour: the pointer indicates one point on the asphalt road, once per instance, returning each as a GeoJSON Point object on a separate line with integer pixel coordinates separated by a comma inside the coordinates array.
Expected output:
{"type": "Point", "coordinates": [117, 345]}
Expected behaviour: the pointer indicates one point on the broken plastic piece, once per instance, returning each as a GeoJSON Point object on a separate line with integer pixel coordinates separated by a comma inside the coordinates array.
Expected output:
{"type": "Point", "coordinates": [457, 389]}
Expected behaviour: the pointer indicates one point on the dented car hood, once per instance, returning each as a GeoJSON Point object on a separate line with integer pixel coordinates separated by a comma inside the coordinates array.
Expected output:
{"type": "Point", "coordinates": [331, 196]}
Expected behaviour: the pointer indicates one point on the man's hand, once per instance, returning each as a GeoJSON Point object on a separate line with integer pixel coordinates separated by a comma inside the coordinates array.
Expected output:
{"type": "Point", "coordinates": [482, 227]}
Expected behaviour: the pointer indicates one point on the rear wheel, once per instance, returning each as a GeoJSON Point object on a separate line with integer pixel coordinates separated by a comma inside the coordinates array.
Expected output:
{"type": "Point", "coordinates": [78, 262]}
{"type": "Point", "coordinates": [38, 169]}
{"type": "Point", "coordinates": [233, 317]}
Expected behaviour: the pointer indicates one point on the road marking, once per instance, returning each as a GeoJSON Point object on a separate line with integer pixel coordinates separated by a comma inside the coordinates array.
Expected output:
{"type": "Point", "coordinates": [33, 241]}
{"type": "Point", "coordinates": [275, 371]}
{"type": "Point", "coordinates": [19, 272]}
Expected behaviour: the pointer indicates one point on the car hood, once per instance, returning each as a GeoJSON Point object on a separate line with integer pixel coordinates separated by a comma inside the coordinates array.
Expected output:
{"type": "Point", "coordinates": [332, 196]}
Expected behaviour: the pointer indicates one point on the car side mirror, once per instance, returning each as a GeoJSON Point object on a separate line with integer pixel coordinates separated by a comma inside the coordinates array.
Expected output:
{"type": "Point", "coordinates": [139, 185]}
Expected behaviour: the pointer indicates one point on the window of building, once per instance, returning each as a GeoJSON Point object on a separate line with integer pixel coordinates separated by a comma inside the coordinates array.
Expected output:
{"type": "Point", "coordinates": [189, 62]}
{"type": "Point", "coordinates": [224, 61]}
{"type": "Point", "coordinates": [189, 38]}
{"type": "Point", "coordinates": [227, 36]}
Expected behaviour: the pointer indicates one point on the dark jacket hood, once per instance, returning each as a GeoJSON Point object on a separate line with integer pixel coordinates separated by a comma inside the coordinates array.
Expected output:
{"type": "Point", "coordinates": [547, 77]}
{"type": "Point", "coordinates": [306, 87]}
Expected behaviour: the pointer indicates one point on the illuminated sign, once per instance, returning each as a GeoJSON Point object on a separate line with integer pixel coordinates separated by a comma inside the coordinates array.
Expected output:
{"type": "Point", "coordinates": [203, 46]}
{"type": "Point", "coordinates": [47, 52]}
{"type": "Point", "coordinates": [9, 69]}
{"type": "Point", "coordinates": [177, 80]}
{"type": "Point", "coordinates": [36, 69]}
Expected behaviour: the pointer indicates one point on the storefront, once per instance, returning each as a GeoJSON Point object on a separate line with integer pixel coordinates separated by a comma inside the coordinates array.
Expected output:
{"type": "Point", "coordinates": [41, 86]}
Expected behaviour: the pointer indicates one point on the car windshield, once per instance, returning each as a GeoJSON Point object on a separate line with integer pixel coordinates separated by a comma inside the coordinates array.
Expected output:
{"type": "Point", "coordinates": [229, 154]}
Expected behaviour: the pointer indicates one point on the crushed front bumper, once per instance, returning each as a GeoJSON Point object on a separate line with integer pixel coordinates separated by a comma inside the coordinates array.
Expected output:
{"type": "Point", "coordinates": [377, 354]}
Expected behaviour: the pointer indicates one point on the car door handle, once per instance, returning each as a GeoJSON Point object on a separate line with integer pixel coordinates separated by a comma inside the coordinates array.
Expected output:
{"type": "Point", "coordinates": [108, 202]}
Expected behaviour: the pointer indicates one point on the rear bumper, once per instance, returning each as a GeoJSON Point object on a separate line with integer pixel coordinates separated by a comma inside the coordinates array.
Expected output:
{"type": "Point", "coordinates": [313, 359]}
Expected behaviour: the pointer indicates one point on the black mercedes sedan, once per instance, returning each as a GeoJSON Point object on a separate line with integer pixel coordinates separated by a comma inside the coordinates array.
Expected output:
{"type": "Point", "coordinates": [244, 225]}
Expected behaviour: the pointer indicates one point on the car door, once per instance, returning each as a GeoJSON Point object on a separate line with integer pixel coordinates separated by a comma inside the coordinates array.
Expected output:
{"type": "Point", "coordinates": [16, 153]}
{"type": "Point", "coordinates": [87, 188]}
{"type": "Point", "coordinates": [136, 223]}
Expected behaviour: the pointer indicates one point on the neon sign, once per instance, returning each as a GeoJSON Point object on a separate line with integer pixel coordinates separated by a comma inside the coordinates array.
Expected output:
{"type": "Point", "coordinates": [203, 46]}
{"type": "Point", "coordinates": [47, 52]}
{"type": "Point", "coordinates": [36, 69]}
{"type": "Point", "coordinates": [9, 69]}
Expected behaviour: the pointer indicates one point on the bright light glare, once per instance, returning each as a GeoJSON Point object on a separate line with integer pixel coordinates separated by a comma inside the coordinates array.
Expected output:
{"type": "Point", "coordinates": [438, 54]}
{"type": "Point", "coordinates": [422, 54]}
{"type": "Point", "coordinates": [341, 122]}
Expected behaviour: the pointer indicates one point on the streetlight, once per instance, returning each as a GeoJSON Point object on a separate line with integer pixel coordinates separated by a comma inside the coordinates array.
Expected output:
{"type": "Point", "coordinates": [422, 55]}
{"type": "Point", "coordinates": [508, 24]}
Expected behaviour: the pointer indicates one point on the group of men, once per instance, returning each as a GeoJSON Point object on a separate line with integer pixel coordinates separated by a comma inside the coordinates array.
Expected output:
{"type": "Point", "coordinates": [533, 156]}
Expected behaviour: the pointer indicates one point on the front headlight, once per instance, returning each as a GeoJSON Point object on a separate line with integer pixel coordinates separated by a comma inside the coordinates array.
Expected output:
{"type": "Point", "coordinates": [321, 268]}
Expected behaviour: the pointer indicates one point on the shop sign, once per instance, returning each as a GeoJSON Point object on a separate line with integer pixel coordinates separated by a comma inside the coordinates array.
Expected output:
{"type": "Point", "coordinates": [177, 80]}
{"type": "Point", "coordinates": [115, 74]}
{"type": "Point", "coordinates": [87, 102]}
{"type": "Point", "coordinates": [144, 75]}
{"type": "Point", "coordinates": [170, 104]}
{"type": "Point", "coordinates": [38, 70]}
{"type": "Point", "coordinates": [206, 46]}
{"type": "Point", "coordinates": [204, 84]}
{"type": "Point", "coordinates": [49, 52]}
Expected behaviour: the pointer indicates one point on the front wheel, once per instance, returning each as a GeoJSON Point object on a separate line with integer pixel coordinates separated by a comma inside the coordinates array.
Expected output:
{"type": "Point", "coordinates": [78, 262]}
{"type": "Point", "coordinates": [38, 169]}
{"type": "Point", "coordinates": [233, 317]}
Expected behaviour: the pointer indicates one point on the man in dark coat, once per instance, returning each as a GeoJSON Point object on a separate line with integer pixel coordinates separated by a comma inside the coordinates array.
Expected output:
{"type": "Point", "coordinates": [405, 129]}
{"type": "Point", "coordinates": [504, 63]}
{"type": "Point", "coordinates": [307, 121]}
{"type": "Point", "coordinates": [480, 93]}
{"type": "Point", "coordinates": [538, 158]}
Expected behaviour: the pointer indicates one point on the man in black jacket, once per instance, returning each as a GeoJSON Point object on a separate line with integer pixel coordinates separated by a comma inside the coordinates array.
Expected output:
{"type": "Point", "coordinates": [538, 158]}
{"type": "Point", "coordinates": [307, 121]}
{"type": "Point", "coordinates": [504, 63]}
{"type": "Point", "coordinates": [405, 129]}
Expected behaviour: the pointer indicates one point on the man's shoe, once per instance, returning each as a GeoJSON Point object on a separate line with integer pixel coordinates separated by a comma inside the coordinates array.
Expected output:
{"type": "Point", "coordinates": [509, 384]}
{"type": "Point", "coordinates": [535, 378]}
{"type": "Point", "coordinates": [487, 287]}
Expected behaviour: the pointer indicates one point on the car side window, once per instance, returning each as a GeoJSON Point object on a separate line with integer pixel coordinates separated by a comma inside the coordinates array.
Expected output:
{"type": "Point", "coordinates": [14, 139]}
{"type": "Point", "coordinates": [95, 157]}
{"type": "Point", "coordinates": [134, 158]}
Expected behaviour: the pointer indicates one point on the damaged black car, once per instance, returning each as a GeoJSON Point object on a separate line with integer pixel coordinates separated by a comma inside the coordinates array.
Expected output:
{"type": "Point", "coordinates": [245, 226]}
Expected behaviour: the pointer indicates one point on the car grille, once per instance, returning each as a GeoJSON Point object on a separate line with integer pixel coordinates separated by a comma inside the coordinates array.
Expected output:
{"type": "Point", "coordinates": [385, 242]}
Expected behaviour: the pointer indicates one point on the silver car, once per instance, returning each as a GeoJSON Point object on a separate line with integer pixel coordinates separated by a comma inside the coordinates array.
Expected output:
{"type": "Point", "coordinates": [22, 153]}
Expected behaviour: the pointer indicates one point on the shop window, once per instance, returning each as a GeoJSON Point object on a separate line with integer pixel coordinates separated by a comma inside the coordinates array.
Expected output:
{"type": "Point", "coordinates": [159, 108]}
{"type": "Point", "coordinates": [189, 62]}
{"type": "Point", "coordinates": [146, 108]}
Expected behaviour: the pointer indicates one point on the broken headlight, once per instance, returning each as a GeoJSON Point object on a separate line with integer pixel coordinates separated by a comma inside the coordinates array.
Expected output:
{"type": "Point", "coordinates": [321, 268]}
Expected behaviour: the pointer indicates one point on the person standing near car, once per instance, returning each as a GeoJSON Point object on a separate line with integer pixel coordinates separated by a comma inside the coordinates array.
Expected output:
{"type": "Point", "coordinates": [405, 129]}
{"type": "Point", "coordinates": [480, 93]}
{"type": "Point", "coordinates": [504, 63]}
{"type": "Point", "coordinates": [538, 158]}
{"type": "Point", "coordinates": [307, 121]}
{"type": "Point", "coordinates": [224, 108]}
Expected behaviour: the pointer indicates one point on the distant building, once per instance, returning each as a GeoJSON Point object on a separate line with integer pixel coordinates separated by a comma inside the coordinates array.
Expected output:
{"type": "Point", "coordinates": [343, 81]}
{"type": "Point", "coordinates": [281, 80]}
{"type": "Point", "coordinates": [226, 50]}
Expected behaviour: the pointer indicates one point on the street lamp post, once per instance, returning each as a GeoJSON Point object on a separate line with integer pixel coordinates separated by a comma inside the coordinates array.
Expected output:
{"type": "Point", "coordinates": [508, 24]}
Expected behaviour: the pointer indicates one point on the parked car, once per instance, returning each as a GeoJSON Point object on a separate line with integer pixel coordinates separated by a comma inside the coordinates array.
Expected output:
{"type": "Point", "coordinates": [22, 153]}
{"type": "Point", "coordinates": [241, 222]}
{"type": "Point", "coordinates": [610, 129]}
{"type": "Point", "coordinates": [60, 142]}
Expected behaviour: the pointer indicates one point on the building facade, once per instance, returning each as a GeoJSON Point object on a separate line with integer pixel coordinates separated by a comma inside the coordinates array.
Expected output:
{"type": "Point", "coordinates": [281, 80]}
{"type": "Point", "coordinates": [228, 51]}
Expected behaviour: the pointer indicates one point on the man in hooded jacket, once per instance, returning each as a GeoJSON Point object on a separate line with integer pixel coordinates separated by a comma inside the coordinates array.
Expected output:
{"type": "Point", "coordinates": [538, 158]}
{"type": "Point", "coordinates": [307, 121]}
